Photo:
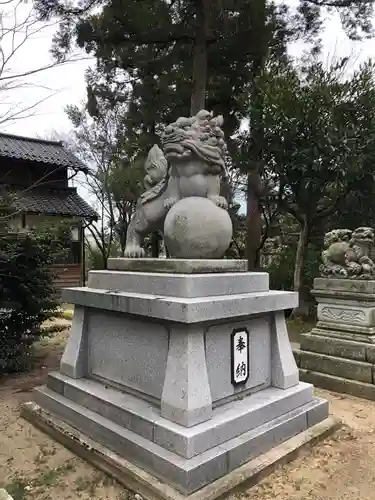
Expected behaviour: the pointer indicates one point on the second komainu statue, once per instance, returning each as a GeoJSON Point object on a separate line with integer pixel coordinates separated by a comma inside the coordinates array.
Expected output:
{"type": "Point", "coordinates": [191, 163]}
{"type": "Point", "coordinates": [347, 254]}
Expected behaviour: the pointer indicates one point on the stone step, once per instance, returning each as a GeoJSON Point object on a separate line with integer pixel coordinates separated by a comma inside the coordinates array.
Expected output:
{"type": "Point", "coordinates": [341, 348]}
{"type": "Point", "coordinates": [228, 421]}
{"type": "Point", "coordinates": [339, 384]}
{"type": "Point", "coordinates": [332, 365]}
{"type": "Point", "coordinates": [179, 285]}
{"type": "Point", "coordinates": [182, 310]}
{"type": "Point", "coordinates": [186, 475]}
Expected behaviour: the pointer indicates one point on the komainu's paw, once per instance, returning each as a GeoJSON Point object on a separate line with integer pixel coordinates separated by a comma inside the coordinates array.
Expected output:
{"type": "Point", "coordinates": [134, 252]}
{"type": "Point", "coordinates": [220, 201]}
{"type": "Point", "coordinates": [169, 202]}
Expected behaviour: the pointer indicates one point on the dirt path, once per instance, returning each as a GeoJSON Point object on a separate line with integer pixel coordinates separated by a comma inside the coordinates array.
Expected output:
{"type": "Point", "coordinates": [342, 467]}
{"type": "Point", "coordinates": [32, 466]}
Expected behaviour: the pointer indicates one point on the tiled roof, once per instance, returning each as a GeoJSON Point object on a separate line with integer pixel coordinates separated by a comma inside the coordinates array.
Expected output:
{"type": "Point", "coordinates": [38, 150]}
{"type": "Point", "coordinates": [50, 202]}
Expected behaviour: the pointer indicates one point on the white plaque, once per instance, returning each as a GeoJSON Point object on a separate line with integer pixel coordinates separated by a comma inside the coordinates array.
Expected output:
{"type": "Point", "coordinates": [240, 356]}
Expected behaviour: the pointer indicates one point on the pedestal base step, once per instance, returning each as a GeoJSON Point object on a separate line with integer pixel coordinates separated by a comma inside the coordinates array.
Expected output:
{"type": "Point", "coordinates": [185, 475]}
{"type": "Point", "coordinates": [339, 347]}
{"type": "Point", "coordinates": [228, 421]}
{"type": "Point", "coordinates": [151, 488]}
{"type": "Point", "coordinates": [341, 367]}
{"type": "Point", "coordinates": [339, 384]}
{"type": "Point", "coordinates": [184, 266]}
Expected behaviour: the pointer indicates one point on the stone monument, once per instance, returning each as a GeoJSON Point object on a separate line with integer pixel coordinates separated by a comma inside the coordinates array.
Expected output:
{"type": "Point", "coordinates": [178, 372]}
{"type": "Point", "coordinates": [339, 353]}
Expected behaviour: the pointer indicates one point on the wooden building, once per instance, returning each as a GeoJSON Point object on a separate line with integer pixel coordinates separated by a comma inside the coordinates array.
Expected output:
{"type": "Point", "coordinates": [35, 174]}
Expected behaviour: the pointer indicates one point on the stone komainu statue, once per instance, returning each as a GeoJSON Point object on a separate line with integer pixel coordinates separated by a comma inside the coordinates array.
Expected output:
{"type": "Point", "coordinates": [191, 163]}
{"type": "Point", "coordinates": [347, 254]}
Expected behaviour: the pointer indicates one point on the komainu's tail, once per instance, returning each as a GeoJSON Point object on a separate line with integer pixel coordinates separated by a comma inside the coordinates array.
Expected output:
{"type": "Point", "coordinates": [156, 167]}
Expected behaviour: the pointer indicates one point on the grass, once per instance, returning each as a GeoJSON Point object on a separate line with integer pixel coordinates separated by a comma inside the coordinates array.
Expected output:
{"type": "Point", "coordinates": [67, 307]}
{"type": "Point", "coordinates": [20, 486]}
{"type": "Point", "coordinates": [68, 315]}
{"type": "Point", "coordinates": [68, 310]}
{"type": "Point", "coordinates": [65, 311]}
{"type": "Point", "coordinates": [51, 329]}
{"type": "Point", "coordinates": [89, 484]}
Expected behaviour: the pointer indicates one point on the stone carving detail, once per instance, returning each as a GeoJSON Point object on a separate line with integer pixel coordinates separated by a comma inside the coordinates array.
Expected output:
{"type": "Point", "coordinates": [346, 254]}
{"type": "Point", "coordinates": [191, 163]}
{"type": "Point", "coordinates": [342, 315]}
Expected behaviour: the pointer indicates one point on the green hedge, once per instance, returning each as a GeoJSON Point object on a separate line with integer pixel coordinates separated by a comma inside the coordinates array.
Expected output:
{"type": "Point", "coordinates": [27, 295]}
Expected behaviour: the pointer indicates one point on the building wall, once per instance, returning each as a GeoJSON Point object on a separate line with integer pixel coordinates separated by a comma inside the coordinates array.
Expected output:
{"type": "Point", "coordinates": [15, 222]}
{"type": "Point", "coordinates": [66, 274]}
{"type": "Point", "coordinates": [36, 220]}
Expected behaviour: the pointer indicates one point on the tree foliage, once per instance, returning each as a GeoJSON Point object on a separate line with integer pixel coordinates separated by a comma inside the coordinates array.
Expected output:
{"type": "Point", "coordinates": [281, 267]}
{"type": "Point", "coordinates": [114, 178]}
{"type": "Point", "coordinates": [358, 208]}
{"type": "Point", "coordinates": [158, 57]}
{"type": "Point", "coordinates": [319, 141]}
{"type": "Point", "coordinates": [27, 295]}
{"type": "Point", "coordinates": [144, 55]}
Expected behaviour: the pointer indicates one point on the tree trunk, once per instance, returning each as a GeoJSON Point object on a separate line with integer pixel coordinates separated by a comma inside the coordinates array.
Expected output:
{"type": "Point", "coordinates": [198, 93]}
{"type": "Point", "coordinates": [254, 219]}
{"type": "Point", "coordinates": [298, 285]}
{"type": "Point", "coordinates": [254, 182]}
{"type": "Point", "coordinates": [122, 230]}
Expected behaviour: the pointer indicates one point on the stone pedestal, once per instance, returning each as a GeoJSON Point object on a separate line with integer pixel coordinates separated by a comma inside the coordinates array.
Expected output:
{"type": "Point", "coordinates": [186, 374]}
{"type": "Point", "coordinates": [339, 354]}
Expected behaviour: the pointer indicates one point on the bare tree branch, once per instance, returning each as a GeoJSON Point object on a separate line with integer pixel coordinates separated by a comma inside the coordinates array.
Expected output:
{"type": "Point", "coordinates": [337, 3]}
{"type": "Point", "coordinates": [19, 27]}
{"type": "Point", "coordinates": [14, 112]}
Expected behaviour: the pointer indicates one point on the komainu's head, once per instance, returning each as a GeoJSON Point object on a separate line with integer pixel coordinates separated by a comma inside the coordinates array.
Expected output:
{"type": "Point", "coordinates": [200, 135]}
{"type": "Point", "coordinates": [363, 234]}
{"type": "Point", "coordinates": [337, 235]}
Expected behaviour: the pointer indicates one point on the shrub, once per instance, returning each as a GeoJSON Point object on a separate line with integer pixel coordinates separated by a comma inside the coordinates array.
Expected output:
{"type": "Point", "coordinates": [94, 257]}
{"type": "Point", "coordinates": [27, 295]}
{"type": "Point", "coordinates": [281, 269]}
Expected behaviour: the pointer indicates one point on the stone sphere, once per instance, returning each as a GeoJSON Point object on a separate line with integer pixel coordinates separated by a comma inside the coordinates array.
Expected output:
{"type": "Point", "coordinates": [195, 228]}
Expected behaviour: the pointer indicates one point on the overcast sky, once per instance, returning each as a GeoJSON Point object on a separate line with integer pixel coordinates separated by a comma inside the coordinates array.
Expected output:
{"type": "Point", "coordinates": [67, 82]}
